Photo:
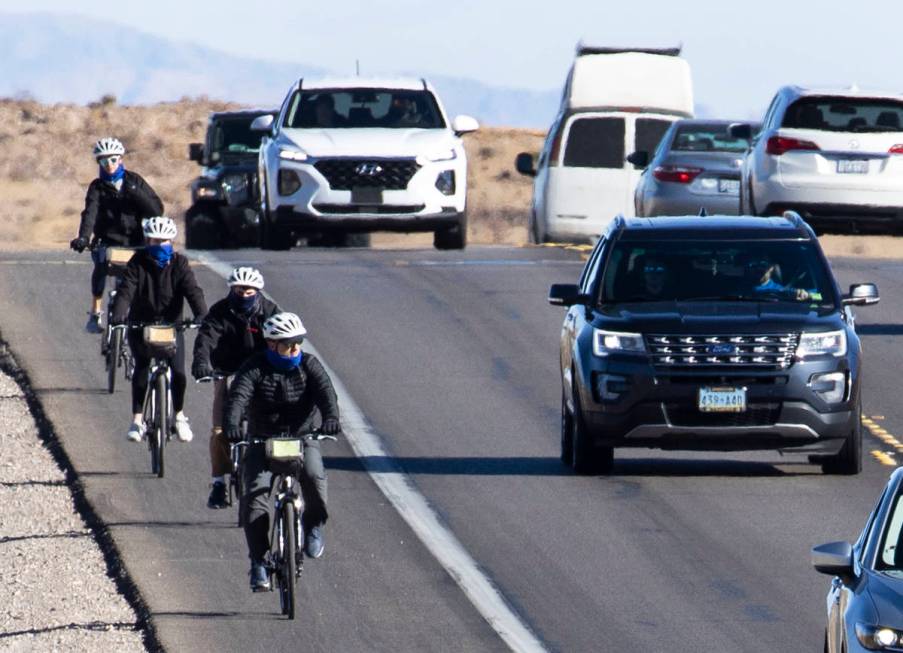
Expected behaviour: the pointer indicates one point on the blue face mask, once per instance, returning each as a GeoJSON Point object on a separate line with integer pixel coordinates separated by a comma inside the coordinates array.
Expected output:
{"type": "Point", "coordinates": [284, 363]}
{"type": "Point", "coordinates": [160, 253]}
{"type": "Point", "coordinates": [243, 305]}
{"type": "Point", "coordinates": [118, 174]}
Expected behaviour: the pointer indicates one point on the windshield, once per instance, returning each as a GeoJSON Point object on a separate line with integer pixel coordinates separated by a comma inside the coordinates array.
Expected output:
{"type": "Point", "coordinates": [890, 555]}
{"type": "Point", "coordinates": [755, 271]}
{"type": "Point", "coordinates": [364, 107]}
{"type": "Point", "coordinates": [233, 136]}
{"type": "Point", "coordinates": [841, 114]}
{"type": "Point", "coordinates": [706, 138]}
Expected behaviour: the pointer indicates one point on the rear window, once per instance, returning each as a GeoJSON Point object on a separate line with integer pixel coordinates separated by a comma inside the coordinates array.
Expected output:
{"type": "Point", "coordinates": [706, 138]}
{"type": "Point", "coordinates": [595, 143]}
{"type": "Point", "coordinates": [648, 134]}
{"type": "Point", "coordinates": [841, 114]}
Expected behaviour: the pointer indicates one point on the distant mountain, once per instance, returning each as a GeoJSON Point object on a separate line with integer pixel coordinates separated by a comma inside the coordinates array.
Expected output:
{"type": "Point", "coordinates": [55, 58]}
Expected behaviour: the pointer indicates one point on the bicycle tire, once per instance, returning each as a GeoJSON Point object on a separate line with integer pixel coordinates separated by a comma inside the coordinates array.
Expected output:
{"type": "Point", "coordinates": [288, 563]}
{"type": "Point", "coordinates": [113, 354]}
{"type": "Point", "coordinates": [161, 419]}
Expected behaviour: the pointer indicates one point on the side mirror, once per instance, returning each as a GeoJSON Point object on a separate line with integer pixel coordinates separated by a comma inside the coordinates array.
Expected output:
{"type": "Point", "coordinates": [833, 559]}
{"type": "Point", "coordinates": [638, 159]}
{"type": "Point", "coordinates": [464, 125]}
{"type": "Point", "coordinates": [262, 123]}
{"type": "Point", "coordinates": [740, 130]}
{"type": "Point", "coordinates": [566, 294]}
{"type": "Point", "coordinates": [862, 294]}
{"type": "Point", "coordinates": [196, 152]}
{"type": "Point", "coordinates": [524, 164]}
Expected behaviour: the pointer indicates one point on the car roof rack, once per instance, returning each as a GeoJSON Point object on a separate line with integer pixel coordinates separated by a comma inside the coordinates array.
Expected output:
{"type": "Point", "coordinates": [300, 82]}
{"type": "Point", "coordinates": [797, 220]}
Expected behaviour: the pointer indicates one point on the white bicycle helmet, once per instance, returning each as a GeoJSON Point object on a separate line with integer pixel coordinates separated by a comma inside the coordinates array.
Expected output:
{"type": "Point", "coordinates": [249, 277]}
{"type": "Point", "coordinates": [160, 227]}
{"type": "Point", "coordinates": [284, 326]}
{"type": "Point", "coordinates": [108, 146]}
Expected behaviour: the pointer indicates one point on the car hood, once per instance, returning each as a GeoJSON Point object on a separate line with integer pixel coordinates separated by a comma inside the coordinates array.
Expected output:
{"type": "Point", "coordinates": [369, 142]}
{"type": "Point", "coordinates": [886, 592]}
{"type": "Point", "coordinates": [716, 317]}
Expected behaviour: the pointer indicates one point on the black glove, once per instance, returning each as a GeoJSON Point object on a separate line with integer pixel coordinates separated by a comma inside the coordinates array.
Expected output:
{"type": "Point", "coordinates": [233, 434]}
{"type": "Point", "coordinates": [78, 244]}
{"type": "Point", "coordinates": [330, 426]}
{"type": "Point", "coordinates": [201, 370]}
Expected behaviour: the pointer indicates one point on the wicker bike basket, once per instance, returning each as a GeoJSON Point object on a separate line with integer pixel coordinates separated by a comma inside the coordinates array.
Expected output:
{"type": "Point", "coordinates": [285, 455]}
{"type": "Point", "coordinates": [160, 339]}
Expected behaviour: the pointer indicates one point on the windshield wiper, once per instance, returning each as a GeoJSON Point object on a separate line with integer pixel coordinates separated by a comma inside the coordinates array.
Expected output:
{"type": "Point", "coordinates": [732, 298]}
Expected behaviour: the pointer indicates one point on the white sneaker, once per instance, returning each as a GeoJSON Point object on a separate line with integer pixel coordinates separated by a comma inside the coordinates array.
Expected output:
{"type": "Point", "coordinates": [135, 432]}
{"type": "Point", "coordinates": [183, 429]}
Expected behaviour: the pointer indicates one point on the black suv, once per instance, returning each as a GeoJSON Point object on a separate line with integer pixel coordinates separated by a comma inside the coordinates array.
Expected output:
{"type": "Point", "coordinates": [224, 200]}
{"type": "Point", "coordinates": [710, 333]}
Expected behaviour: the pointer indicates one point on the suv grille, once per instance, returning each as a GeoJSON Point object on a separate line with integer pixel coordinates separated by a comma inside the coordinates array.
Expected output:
{"type": "Point", "coordinates": [765, 414]}
{"type": "Point", "coordinates": [766, 352]}
{"type": "Point", "coordinates": [345, 174]}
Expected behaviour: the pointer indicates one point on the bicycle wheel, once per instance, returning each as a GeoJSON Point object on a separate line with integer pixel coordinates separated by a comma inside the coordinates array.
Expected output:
{"type": "Point", "coordinates": [113, 353]}
{"type": "Point", "coordinates": [238, 488]}
{"type": "Point", "coordinates": [161, 419]}
{"type": "Point", "coordinates": [288, 564]}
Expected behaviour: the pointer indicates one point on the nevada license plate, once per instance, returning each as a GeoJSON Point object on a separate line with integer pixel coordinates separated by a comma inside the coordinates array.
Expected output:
{"type": "Point", "coordinates": [853, 166]}
{"type": "Point", "coordinates": [731, 186]}
{"type": "Point", "coordinates": [722, 400]}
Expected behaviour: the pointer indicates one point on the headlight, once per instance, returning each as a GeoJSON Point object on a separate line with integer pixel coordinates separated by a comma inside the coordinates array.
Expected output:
{"type": "Point", "coordinates": [828, 343]}
{"type": "Point", "coordinates": [235, 183]}
{"type": "Point", "coordinates": [607, 342]}
{"type": "Point", "coordinates": [440, 155]}
{"type": "Point", "coordinates": [878, 638]}
{"type": "Point", "coordinates": [290, 154]}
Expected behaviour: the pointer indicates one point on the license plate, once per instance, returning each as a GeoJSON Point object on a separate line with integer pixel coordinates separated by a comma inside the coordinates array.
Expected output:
{"type": "Point", "coordinates": [366, 195]}
{"type": "Point", "coordinates": [722, 400]}
{"type": "Point", "coordinates": [853, 166]}
{"type": "Point", "coordinates": [731, 186]}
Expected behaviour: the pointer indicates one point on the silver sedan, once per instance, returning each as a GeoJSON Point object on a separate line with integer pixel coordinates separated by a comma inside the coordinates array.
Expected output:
{"type": "Point", "coordinates": [865, 600]}
{"type": "Point", "coordinates": [696, 166]}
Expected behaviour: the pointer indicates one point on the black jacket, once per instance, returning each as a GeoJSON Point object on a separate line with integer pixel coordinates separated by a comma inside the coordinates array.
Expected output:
{"type": "Point", "coordinates": [114, 216]}
{"type": "Point", "coordinates": [149, 293]}
{"type": "Point", "coordinates": [277, 401]}
{"type": "Point", "coordinates": [227, 338]}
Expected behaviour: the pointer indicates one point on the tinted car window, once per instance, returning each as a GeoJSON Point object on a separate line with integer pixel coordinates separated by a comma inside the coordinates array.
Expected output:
{"type": "Point", "coordinates": [233, 136]}
{"type": "Point", "coordinates": [648, 134]}
{"type": "Point", "coordinates": [362, 107]}
{"type": "Point", "coordinates": [595, 143]}
{"type": "Point", "coordinates": [707, 138]}
{"type": "Point", "coordinates": [890, 552]}
{"type": "Point", "coordinates": [845, 115]}
{"type": "Point", "coordinates": [769, 271]}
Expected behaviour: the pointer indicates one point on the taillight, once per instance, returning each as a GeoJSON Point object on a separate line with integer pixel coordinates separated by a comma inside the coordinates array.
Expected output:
{"type": "Point", "coordinates": [896, 149]}
{"type": "Point", "coordinates": [677, 174]}
{"type": "Point", "coordinates": [777, 145]}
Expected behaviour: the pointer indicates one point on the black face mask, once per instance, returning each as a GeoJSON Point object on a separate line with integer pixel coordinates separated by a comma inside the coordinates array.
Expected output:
{"type": "Point", "coordinates": [244, 305]}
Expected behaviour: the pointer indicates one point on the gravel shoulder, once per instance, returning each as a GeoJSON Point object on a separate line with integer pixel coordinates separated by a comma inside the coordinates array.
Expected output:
{"type": "Point", "coordinates": [56, 593]}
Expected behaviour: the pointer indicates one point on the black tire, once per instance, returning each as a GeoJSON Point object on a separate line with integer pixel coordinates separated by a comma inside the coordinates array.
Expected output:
{"type": "Point", "coordinates": [567, 433]}
{"type": "Point", "coordinates": [452, 237]}
{"type": "Point", "coordinates": [288, 563]}
{"type": "Point", "coordinates": [114, 350]}
{"type": "Point", "coordinates": [585, 458]}
{"type": "Point", "coordinates": [162, 420]}
{"type": "Point", "coordinates": [357, 240]}
{"type": "Point", "coordinates": [848, 461]}
{"type": "Point", "coordinates": [272, 237]}
{"type": "Point", "coordinates": [203, 229]}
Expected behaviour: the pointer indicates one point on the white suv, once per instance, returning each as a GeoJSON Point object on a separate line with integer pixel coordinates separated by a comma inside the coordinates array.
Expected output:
{"type": "Point", "coordinates": [831, 155]}
{"type": "Point", "coordinates": [346, 157]}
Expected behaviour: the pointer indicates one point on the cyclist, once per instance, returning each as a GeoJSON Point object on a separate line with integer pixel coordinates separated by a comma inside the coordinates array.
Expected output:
{"type": "Point", "coordinates": [230, 332]}
{"type": "Point", "coordinates": [156, 283]}
{"type": "Point", "coordinates": [116, 203]}
{"type": "Point", "coordinates": [283, 390]}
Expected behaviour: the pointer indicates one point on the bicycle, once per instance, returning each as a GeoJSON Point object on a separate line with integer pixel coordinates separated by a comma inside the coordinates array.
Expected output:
{"type": "Point", "coordinates": [285, 459]}
{"type": "Point", "coordinates": [157, 410]}
{"type": "Point", "coordinates": [111, 346]}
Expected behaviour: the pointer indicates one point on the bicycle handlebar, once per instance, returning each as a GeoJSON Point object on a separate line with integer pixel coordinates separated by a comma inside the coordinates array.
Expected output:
{"type": "Point", "coordinates": [179, 326]}
{"type": "Point", "coordinates": [217, 376]}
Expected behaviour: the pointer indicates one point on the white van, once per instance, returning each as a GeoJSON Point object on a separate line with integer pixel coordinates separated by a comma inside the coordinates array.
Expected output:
{"type": "Point", "coordinates": [615, 102]}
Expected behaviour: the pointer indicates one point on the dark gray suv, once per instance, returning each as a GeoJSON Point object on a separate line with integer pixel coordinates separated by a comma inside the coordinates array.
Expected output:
{"type": "Point", "coordinates": [711, 333]}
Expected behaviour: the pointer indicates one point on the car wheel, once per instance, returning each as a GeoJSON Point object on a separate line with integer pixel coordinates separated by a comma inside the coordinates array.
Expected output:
{"type": "Point", "coordinates": [202, 229]}
{"type": "Point", "coordinates": [849, 460]}
{"type": "Point", "coordinates": [567, 432]}
{"type": "Point", "coordinates": [452, 237]}
{"type": "Point", "coordinates": [585, 458]}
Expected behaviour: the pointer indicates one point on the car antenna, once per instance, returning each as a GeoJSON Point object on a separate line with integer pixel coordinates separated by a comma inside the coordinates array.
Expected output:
{"type": "Point", "coordinates": [702, 212]}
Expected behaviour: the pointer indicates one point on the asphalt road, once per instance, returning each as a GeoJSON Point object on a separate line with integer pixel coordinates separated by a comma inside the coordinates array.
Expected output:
{"type": "Point", "coordinates": [453, 359]}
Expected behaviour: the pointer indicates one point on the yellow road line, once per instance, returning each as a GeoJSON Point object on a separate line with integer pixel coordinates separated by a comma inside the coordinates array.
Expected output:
{"type": "Point", "coordinates": [884, 458]}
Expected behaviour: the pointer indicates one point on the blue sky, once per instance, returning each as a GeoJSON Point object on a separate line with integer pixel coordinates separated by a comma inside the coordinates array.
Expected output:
{"type": "Point", "coordinates": [739, 52]}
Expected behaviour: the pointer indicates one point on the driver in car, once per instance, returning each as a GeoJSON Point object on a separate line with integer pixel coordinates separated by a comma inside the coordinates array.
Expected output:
{"type": "Point", "coordinates": [765, 274]}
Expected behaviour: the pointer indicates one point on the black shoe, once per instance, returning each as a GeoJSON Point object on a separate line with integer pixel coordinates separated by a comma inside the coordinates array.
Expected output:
{"type": "Point", "coordinates": [217, 497]}
{"type": "Point", "coordinates": [313, 542]}
{"type": "Point", "coordinates": [260, 579]}
{"type": "Point", "coordinates": [93, 323]}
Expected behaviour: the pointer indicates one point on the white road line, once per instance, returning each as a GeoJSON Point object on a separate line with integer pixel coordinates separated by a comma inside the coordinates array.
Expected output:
{"type": "Point", "coordinates": [413, 507]}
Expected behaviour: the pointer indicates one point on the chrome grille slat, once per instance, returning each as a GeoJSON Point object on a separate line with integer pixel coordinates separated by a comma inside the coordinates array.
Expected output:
{"type": "Point", "coordinates": [762, 351]}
